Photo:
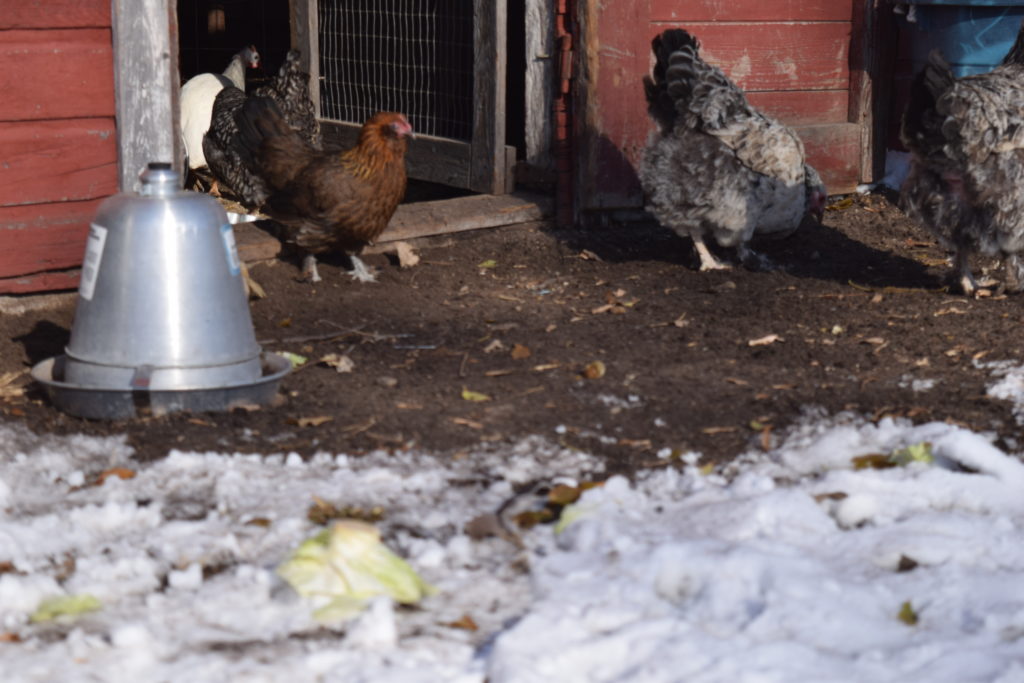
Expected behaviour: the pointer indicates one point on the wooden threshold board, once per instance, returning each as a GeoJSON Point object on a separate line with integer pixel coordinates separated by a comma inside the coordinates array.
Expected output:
{"type": "Point", "coordinates": [424, 219]}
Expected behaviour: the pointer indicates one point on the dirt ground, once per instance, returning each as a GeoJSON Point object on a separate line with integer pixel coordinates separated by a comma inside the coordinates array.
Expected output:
{"type": "Point", "coordinates": [607, 340]}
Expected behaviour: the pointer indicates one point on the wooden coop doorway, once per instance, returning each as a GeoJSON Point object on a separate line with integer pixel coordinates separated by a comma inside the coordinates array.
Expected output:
{"type": "Point", "coordinates": [457, 68]}
{"type": "Point", "coordinates": [210, 32]}
{"type": "Point", "coordinates": [443, 63]}
{"type": "Point", "coordinates": [440, 62]}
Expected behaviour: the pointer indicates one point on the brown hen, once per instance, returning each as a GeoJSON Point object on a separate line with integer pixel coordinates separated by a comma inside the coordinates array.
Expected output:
{"type": "Point", "coordinates": [327, 200]}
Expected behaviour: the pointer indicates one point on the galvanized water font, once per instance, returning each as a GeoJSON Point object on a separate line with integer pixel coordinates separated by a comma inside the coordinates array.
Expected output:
{"type": "Point", "coordinates": [162, 319]}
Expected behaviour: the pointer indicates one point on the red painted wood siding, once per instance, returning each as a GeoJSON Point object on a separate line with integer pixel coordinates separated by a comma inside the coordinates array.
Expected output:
{"type": "Point", "coordinates": [57, 161]}
{"type": "Point", "coordinates": [42, 237]}
{"type": "Point", "coordinates": [56, 74]}
{"type": "Point", "coordinates": [803, 107]}
{"type": "Point", "coordinates": [675, 11]}
{"type": "Point", "coordinates": [57, 136]}
{"type": "Point", "coordinates": [791, 56]}
{"type": "Point", "coordinates": [776, 56]}
{"type": "Point", "coordinates": [55, 14]}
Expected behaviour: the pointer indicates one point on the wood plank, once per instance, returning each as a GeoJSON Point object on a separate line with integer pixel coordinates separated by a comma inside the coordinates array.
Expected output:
{"type": "Point", "coordinates": [17, 14]}
{"type": "Point", "coordinates": [834, 151]}
{"type": "Point", "coordinates": [760, 56]}
{"type": "Point", "coordinates": [44, 237]}
{"type": "Point", "coordinates": [255, 244]}
{"type": "Point", "coordinates": [147, 82]}
{"type": "Point", "coordinates": [750, 10]}
{"type": "Point", "coordinates": [64, 160]}
{"type": "Point", "coordinates": [487, 161]}
{"type": "Point", "coordinates": [422, 219]}
{"type": "Point", "coordinates": [540, 82]}
{"type": "Point", "coordinates": [438, 160]}
{"type": "Point", "coordinates": [803, 107]}
{"type": "Point", "coordinates": [41, 282]}
{"type": "Point", "coordinates": [63, 73]}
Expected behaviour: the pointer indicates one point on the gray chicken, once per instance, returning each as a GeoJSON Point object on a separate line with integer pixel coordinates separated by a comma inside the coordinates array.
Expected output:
{"type": "Point", "coordinates": [966, 138]}
{"type": "Point", "coordinates": [717, 166]}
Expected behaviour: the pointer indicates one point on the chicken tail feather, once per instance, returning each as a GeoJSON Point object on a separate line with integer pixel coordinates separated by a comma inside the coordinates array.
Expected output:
{"type": "Point", "coordinates": [684, 85]}
{"type": "Point", "coordinates": [660, 104]}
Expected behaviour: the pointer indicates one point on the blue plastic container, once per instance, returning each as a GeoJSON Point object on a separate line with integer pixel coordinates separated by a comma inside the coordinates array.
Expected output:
{"type": "Point", "coordinates": [973, 35]}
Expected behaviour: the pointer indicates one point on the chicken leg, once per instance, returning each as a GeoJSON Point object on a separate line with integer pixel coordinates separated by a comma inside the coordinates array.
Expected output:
{"type": "Point", "coordinates": [707, 259]}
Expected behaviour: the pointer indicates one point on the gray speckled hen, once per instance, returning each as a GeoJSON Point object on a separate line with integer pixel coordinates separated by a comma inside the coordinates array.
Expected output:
{"type": "Point", "coordinates": [966, 180]}
{"type": "Point", "coordinates": [718, 166]}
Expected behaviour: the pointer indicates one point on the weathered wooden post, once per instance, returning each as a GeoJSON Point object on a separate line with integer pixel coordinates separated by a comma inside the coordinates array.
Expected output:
{"type": "Point", "coordinates": [146, 85]}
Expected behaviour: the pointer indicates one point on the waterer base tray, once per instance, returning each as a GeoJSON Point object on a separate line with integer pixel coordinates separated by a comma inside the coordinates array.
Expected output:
{"type": "Point", "coordinates": [104, 403]}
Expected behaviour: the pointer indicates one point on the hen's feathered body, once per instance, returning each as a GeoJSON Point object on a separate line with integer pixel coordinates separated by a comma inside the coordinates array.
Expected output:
{"type": "Point", "coordinates": [326, 200]}
{"type": "Point", "coordinates": [966, 138]}
{"type": "Point", "coordinates": [225, 156]}
{"type": "Point", "coordinates": [220, 145]}
{"type": "Point", "coordinates": [197, 101]}
{"type": "Point", "coordinates": [718, 166]}
{"type": "Point", "coordinates": [289, 89]}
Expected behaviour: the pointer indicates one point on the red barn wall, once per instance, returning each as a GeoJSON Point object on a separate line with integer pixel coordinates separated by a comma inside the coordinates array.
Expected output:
{"type": "Point", "coordinates": [793, 57]}
{"type": "Point", "coordinates": [58, 144]}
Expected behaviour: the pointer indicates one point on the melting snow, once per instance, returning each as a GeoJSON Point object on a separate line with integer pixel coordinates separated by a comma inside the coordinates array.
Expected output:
{"type": "Point", "coordinates": [787, 566]}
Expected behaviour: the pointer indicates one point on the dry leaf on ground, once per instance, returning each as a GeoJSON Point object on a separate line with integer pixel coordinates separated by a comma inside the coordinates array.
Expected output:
{"type": "Point", "coordinates": [407, 257]}
{"type": "Point", "coordinates": [465, 622]}
{"type": "Point", "coordinates": [341, 363]}
{"type": "Point", "coordinates": [494, 346]}
{"type": "Point", "coordinates": [765, 340]}
{"type": "Point", "coordinates": [119, 472]}
{"type": "Point", "coordinates": [314, 421]}
{"type": "Point", "coordinates": [474, 396]}
{"type": "Point", "coordinates": [519, 352]}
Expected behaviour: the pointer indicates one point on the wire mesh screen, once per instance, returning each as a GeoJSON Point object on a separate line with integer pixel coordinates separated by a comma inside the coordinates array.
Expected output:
{"type": "Point", "coordinates": [412, 56]}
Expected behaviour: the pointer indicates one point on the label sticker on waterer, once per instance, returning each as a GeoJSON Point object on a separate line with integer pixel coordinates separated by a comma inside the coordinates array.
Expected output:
{"type": "Point", "coordinates": [228, 235]}
{"type": "Point", "coordinates": [91, 264]}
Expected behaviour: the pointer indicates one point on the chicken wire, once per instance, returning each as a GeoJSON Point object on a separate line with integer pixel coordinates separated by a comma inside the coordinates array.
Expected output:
{"type": "Point", "coordinates": [411, 56]}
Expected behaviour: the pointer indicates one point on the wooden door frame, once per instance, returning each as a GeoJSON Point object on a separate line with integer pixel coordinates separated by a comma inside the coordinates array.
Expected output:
{"type": "Point", "coordinates": [872, 45]}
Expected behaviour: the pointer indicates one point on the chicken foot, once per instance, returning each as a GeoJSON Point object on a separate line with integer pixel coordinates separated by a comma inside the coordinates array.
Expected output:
{"type": "Point", "coordinates": [359, 270]}
{"type": "Point", "coordinates": [707, 259]}
{"type": "Point", "coordinates": [309, 270]}
{"type": "Point", "coordinates": [965, 278]}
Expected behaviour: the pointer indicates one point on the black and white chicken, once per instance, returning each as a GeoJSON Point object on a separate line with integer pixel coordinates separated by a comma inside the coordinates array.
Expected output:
{"type": "Point", "coordinates": [197, 96]}
{"type": "Point", "coordinates": [227, 158]}
{"type": "Point", "coordinates": [966, 138]}
{"type": "Point", "coordinates": [717, 166]}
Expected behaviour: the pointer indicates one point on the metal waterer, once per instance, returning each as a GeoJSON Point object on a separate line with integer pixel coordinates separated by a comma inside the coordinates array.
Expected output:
{"type": "Point", "coordinates": [162, 322]}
